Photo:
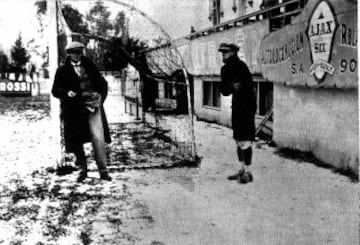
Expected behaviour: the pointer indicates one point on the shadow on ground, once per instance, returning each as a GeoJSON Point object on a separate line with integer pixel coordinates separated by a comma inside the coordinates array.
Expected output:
{"type": "Point", "coordinates": [308, 157]}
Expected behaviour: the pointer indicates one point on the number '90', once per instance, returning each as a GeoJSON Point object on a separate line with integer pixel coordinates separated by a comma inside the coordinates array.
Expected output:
{"type": "Point", "coordinates": [348, 65]}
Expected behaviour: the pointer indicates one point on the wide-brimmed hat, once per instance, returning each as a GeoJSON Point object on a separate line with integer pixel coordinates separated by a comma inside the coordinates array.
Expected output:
{"type": "Point", "coordinates": [74, 46]}
{"type": "Point", "coordinates": [225, 47]}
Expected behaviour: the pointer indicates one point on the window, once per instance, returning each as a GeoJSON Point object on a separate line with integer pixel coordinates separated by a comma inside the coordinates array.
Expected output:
{"type": "Point", "coordinates": [211, 93]}
{"type": "Point", "coordinates": [169, 90]}
{"type": "Point", "coordinates": [264, 97]}
{"type": "Point", "coordinates": [215, 11]}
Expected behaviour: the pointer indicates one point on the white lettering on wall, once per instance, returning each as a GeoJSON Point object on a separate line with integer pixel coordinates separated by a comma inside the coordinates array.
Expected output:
{"type": "Point", "coordinates": [212, 56]}
{"type": "Point", "coordinates": [195, 57]}
{"type": "Point", "coordinates": [239, 40]}
{"type": "Point", "coordinates": [321, 31]}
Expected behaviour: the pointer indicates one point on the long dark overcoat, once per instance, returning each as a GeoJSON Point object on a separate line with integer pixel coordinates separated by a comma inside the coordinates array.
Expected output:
{"type": "Point", "coordinates": [72, 109]}
{"type": "Point", "coordinates": [243, 99]}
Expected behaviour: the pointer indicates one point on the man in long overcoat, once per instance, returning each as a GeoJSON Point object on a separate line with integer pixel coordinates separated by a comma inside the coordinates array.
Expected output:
{"type": "Point", "coordinates": [236, 80]}
{"type": "Point", "coordinates": [82, 91]}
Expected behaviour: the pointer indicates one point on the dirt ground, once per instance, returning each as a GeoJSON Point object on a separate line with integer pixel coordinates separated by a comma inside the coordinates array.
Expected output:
{"type": "Point", "coordinates": [289, 202]}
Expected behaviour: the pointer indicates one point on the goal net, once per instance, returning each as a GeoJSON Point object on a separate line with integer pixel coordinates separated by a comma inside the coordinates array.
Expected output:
{"type": "Point", "coordinates": [146, 74]}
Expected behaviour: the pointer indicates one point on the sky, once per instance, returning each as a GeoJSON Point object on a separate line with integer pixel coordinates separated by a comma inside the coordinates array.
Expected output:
{"type": "Point", "coordinates": [20, 16]}
{"type": "Point", "coordinates": [17, 16]}
{"type": "Point", "coordinates": [174, 16]}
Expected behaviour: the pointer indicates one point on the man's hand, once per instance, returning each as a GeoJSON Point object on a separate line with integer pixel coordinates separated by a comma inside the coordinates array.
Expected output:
{"type": "Point", "coordinates": [71, 94]}
{"type": "Point", "coordinates": [92, 99]}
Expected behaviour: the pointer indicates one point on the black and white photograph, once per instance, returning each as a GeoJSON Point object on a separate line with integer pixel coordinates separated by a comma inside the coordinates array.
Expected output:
{"type": "Point", "coordinates": [179, 122]}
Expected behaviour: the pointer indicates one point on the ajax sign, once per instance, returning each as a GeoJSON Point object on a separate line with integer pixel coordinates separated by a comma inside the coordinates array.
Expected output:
{"type": "Point", "coordinates": [321, 31]}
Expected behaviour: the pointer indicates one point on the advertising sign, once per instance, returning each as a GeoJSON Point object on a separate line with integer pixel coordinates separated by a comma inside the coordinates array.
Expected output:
{"type": "Point", "coordinates": [321, 31]}
{"type": "Point", "coordinates": [15, 88]}
{"type": "Point", "coordinates": [201, 56]}
{"type": "Point", "coordinates": [319, 49]}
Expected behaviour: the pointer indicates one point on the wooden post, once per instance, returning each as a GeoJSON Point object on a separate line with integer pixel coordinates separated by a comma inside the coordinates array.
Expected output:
{"type": "Point", "coordinates": [191, 115]}
{"type": "Point", "coordinates": [53, 63]}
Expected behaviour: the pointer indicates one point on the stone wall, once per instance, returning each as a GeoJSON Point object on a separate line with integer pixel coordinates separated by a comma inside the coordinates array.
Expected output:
{"type": "Point", "coordinates": [321, 121]}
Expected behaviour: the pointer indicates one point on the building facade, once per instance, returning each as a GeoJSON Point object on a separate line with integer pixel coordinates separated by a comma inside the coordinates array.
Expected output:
{"type": "Point", "coordinates": [245, 23]}
{"type": "Point", "coordinates": [303, 57]}
{"type": "Point", "coordinates": [313, 65]}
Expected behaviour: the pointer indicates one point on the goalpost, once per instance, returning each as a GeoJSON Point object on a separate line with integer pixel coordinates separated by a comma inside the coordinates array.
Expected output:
{"type": "Point", "coordinates": [53, 63]}
{"type": "Point", "coordinates": [175, 127]}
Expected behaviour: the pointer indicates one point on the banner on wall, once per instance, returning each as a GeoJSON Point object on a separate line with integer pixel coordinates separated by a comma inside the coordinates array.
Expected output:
{"type": "Point", "coordinates": [201, 56]}
{"type": "Point", "coordinates": [15, 88]}
{"type": "Point", "coordinates": [319, 49]}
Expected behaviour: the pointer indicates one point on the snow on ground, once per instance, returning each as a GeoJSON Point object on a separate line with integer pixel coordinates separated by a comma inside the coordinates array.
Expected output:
{"type": "Point", "coordinates": [39, 207]}
{"type": "Point", "coordinates": [289, 202]}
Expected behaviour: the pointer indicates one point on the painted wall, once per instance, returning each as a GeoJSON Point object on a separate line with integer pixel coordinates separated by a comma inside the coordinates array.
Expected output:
{"type": "Point", "coordinates": [322, 121]}
{"type": "Point", "coordinates": [313, 65]}
{"type": "Point", "coordinates": [202, 58]}
{"type": "Point", "coordinates": [319, 49]}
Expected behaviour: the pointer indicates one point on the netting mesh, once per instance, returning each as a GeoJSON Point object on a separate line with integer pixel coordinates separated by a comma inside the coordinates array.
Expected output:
{"type": "Point", "coordinates": [155, 86]}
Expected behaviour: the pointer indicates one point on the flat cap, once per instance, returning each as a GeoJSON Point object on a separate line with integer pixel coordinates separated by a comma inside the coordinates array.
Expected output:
{"type": "Point", "coordinates": [223, 47]}
{"type": "Point", "coordinates": [74, 45]}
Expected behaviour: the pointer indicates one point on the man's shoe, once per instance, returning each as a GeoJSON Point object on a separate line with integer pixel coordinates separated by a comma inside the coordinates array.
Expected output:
{"type": "Point", "coordinates": [105, 176]}
{"type": "Point", "coordinates": [82, 176]}
{"type": "Point", "coordinates": [64, 170]}
{"type": "Point", "coordinates": [246, 178]}
{"type": "Point", "coordinates": [250, 176]}
{"type": "Point", "coordinates": [237, 176]}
